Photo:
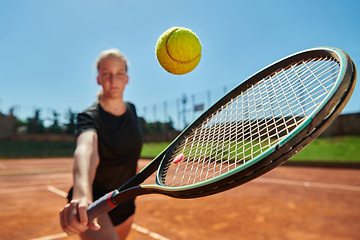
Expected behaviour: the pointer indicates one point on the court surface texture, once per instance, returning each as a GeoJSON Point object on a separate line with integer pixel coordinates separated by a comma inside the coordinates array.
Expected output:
{"type": "Point", "coordinates": [306, 203]}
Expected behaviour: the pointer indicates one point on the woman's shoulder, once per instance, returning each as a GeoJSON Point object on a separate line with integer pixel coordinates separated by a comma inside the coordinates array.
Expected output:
{"type": "Point", "coordinates": [131, 108]}
{"type": "Point", "coordinates": [91, 112]}
{"type": "Point", "coordinates": [88, 120]}
{"type": "Point", "coordinates": [130, 105]}
{"type": "Point", "coordinates": [93, 108]}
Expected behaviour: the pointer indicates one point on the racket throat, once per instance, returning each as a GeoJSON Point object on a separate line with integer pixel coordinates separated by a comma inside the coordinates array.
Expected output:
{"type": "Point", "coordinates": [120, 197]}
{"type": "Point", "coordinates": [110, 199]}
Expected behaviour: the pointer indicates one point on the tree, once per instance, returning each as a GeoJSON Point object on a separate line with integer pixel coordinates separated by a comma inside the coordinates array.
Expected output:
{"type": "Point", "coordinates": [169, 126]}
{"type": "Point", "coordinates": [155, 127]}
{"type": "Point", "coordinates": [35, 124]}
{"type": "Point", "coordinates": [71, 125]}
{"type": "Point", "coordinates": [55, 127]}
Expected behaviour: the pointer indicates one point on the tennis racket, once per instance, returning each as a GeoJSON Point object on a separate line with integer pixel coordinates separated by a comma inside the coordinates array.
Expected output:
{"type": "Point", "coordinates": [254, 128]}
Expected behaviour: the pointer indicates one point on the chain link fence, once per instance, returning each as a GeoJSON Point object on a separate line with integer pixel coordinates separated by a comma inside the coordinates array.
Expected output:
{"type": "Point", "coordinates": [182, 110]}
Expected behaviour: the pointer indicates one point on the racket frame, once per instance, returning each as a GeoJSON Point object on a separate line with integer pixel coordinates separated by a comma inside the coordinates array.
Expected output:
{"type": "Point", "coordinates": [333, 98]}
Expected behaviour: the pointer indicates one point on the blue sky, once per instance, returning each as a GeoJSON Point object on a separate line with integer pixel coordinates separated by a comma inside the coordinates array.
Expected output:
{"type": "Point", "coordinates": [48, 48]}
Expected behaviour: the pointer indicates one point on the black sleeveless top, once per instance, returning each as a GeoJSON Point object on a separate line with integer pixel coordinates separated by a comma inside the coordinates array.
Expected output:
{"type": "Point", "coordinates": [119, 143]}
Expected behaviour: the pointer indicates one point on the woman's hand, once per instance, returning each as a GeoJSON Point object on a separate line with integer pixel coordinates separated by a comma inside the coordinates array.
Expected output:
{"type": "Point", "coordinates": [74, 219]}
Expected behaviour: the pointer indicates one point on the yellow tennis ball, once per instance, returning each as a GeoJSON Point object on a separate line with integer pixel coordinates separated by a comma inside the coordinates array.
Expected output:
{"type": "Point", "coordinates": [178, 50]}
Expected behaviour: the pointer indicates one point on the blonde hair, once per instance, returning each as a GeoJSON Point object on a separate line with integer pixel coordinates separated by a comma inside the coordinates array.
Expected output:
{"type": "Point", "coordinates": [110, 53]}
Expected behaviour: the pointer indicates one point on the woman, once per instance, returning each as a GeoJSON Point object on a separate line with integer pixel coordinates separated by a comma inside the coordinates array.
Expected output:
{"type": "Point", "coordinates": [107, 150]}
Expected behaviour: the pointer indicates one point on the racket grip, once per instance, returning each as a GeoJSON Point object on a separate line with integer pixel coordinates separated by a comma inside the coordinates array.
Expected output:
{"type": "Point", "coordinates": [100, 207]}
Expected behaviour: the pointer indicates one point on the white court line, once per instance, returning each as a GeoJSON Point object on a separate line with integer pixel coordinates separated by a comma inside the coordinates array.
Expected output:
{"type": "Point", "coordinates": [134, 226]}
{"type": "Point", "coordinates": [29, 189]}
{"type": "Point", "coordinates": [148, 232]}
{"type": "Point", "coordinates": [16, 184]}
{"type": "Point", "coordinates": [51, 237]}
{"type": "Point", "coordinates": [57, 191]}
{"type": "Point", "coordinates": [308, 184]}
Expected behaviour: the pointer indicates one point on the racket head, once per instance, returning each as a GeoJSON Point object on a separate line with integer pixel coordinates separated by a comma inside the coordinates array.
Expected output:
{"type": "Point", "coordinates": [183, 179]}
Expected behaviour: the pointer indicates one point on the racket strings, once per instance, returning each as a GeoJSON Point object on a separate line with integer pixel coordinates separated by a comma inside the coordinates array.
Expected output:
{"type": "Point", "coordinates": [252, 122]}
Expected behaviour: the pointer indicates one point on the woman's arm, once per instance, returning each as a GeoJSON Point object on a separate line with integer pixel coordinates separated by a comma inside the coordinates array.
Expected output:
{"type": "Point", "coordinates": [86, 160]}
{"type": "Point", "coordinates": [73, 216]}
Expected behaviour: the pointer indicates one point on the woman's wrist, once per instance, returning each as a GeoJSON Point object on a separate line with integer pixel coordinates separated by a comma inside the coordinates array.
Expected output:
{"type": "Point", "coordinates": [80, 192]}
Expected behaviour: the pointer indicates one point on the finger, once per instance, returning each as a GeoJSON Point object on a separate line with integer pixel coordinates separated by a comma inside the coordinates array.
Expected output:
{"type": "Point", "coordinates": [73, 219]}
{"type": "Point", "coordinates": [94, 225]}
{"type": "Point", "coordinates": [82, 212]}
{"type": "Point", "coordinates": [61, 214]}
{"type": "Point", "coordinates": [67, 228]}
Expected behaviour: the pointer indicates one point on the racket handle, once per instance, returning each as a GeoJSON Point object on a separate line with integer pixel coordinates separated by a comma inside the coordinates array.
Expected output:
{"type": "Point", "coordinates": [100, 207]}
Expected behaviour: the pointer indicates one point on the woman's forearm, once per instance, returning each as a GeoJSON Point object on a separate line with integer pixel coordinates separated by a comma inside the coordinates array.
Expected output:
{"type": "Point", "coordinates": [86, 160]}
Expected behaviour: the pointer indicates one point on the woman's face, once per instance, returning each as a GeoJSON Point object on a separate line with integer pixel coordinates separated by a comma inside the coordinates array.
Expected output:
{"type": "Point", "coordinates": [112, 77]}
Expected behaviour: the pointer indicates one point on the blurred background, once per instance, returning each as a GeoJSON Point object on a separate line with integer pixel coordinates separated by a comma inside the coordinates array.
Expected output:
{"type": "Point", "coordinates": [48, 50]}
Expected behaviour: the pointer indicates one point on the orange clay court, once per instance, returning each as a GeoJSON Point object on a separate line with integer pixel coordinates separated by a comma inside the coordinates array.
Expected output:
{"type": "Point", "coordinates": [300, 203]}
